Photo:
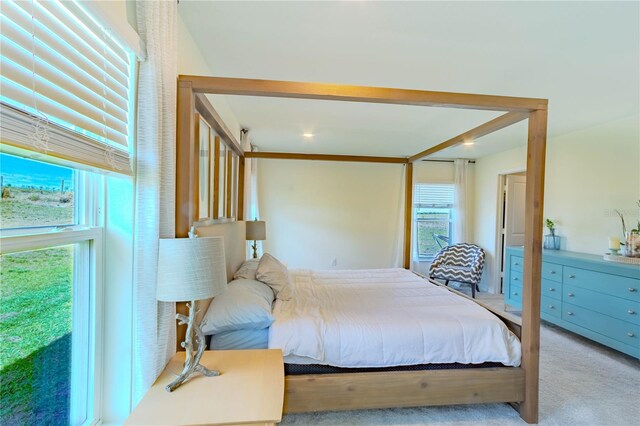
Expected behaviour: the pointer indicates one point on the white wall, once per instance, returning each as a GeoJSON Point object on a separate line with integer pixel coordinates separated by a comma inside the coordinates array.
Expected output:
{"type": "Point", "coordinates": [589, 173]}
{"type": "Point", "coordinates": [351, 212]}
{"type": "Point", "coordinates": [433, 172]}
{"type": "Point", "coordinates": [318, 211]}
{"type": "Point", "coordinates": [118, 299]}
{"type": "Point", "coordinates": [191, 61]}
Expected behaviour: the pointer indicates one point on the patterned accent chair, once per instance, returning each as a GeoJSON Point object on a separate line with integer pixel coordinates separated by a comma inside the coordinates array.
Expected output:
{"type": "Point", "coordinates": [461, 263]}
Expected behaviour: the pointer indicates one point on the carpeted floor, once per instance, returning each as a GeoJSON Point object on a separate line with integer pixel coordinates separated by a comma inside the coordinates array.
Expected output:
{"type": "Point", "coordinates": [581, 383]}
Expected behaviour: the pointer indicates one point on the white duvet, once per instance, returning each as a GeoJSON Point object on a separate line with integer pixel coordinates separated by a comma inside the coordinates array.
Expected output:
{"type": "Point", "coordinates": [383, 318]}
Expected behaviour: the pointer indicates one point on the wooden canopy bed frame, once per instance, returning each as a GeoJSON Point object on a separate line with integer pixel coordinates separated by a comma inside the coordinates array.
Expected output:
{"type": "Point", "coordinates": [515, 385]}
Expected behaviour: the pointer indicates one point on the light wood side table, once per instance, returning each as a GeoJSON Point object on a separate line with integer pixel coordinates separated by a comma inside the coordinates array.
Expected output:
{"type": "Point", "coordinates": [249, 391]}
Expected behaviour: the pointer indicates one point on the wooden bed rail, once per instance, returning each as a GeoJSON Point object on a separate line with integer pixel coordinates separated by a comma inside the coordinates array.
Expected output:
{"type": "Point", "coordinates": [351, 391]}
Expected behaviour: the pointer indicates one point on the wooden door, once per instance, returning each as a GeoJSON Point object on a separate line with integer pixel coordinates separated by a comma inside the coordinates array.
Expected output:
{"type": "Point", "coordinates": [514, 210]}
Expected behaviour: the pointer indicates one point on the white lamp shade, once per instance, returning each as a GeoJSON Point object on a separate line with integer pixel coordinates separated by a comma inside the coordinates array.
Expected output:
{"type": "Point", "coordinates": [256, 230]}
{"type": "Point", "coordinates": [191, 269]}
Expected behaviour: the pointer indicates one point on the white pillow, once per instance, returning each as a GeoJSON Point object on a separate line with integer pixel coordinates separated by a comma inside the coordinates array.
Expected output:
{"type": "Point", "coordinates": [273, 273]}
{"type": "Point", "coordinates": [247, 270]}
{"type": "Point", "coordinates": [246, 305]}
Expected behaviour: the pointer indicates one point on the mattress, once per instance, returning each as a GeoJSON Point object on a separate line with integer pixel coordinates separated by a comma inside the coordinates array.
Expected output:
{"type": "Point", "coordinates": [384, 318]}
{"type": "Point", "coordinates": [240, 339]}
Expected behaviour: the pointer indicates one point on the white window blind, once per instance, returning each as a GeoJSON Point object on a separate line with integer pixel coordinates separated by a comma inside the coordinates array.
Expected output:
{"type": "Point", "coordinates": [63, 72]}
{"type": "Point", "coordinates": [433, 195]}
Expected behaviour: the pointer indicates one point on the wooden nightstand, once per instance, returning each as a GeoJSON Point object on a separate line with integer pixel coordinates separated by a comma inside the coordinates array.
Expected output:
{"type": "Point", "coordinates": [249, 391]}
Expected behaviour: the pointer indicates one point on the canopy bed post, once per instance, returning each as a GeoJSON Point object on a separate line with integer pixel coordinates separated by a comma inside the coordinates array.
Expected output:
{"type": "Point", "coordinates": [185, 158]}
{"type": "Point", "coordinates": [240, 212]}
{"type": "Point", "coordinates": [408, 216]}
{"type": "Point", "coordinates": [229, 189]}
{"type": "Point", "coordinates": [534, 204]}
{"type": "Point", "coordinates": [216, 177]}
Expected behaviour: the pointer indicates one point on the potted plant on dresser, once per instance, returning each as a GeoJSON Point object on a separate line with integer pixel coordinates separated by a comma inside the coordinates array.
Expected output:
{"type": "Point", "coordinates": [551, 240]}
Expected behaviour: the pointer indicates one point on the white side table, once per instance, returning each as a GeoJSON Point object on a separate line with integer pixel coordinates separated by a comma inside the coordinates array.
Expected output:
{"type": "Point", "coordinates": [249, 391]}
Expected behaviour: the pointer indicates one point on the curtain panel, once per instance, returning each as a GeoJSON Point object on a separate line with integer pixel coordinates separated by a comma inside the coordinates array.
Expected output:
{"type": "Point", "coordinates": [461, 203]}
{"type": "Point", "coordinates": [154, 322]}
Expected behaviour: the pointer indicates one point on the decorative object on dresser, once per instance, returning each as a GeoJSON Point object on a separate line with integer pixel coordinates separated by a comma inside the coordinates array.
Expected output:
{"type": "Point", "coordinates": [632, 243]}
{"type": "Point", "coordinates": [584, 294]}
{"type": "Point", "coordinates": [461, 263]}
{"type": "Point", "coordinates": [632, 237]}
{"type": "Point", "coordinates": [551, 240]}
{"type": "Point", "coordinates": [614, 245]}
{"type": "Point", "coordinates": [256, 231]}
{"type": "Point", "coordinates": [191, 269]}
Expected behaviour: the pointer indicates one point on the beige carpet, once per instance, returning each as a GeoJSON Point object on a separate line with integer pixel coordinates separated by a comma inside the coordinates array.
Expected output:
{"type": "Point", "coordinates": [581, 383]}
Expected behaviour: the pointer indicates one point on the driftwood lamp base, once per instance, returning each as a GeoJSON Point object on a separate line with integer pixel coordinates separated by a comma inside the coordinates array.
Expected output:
{"type": "Point", "coordinates": [191, 362]}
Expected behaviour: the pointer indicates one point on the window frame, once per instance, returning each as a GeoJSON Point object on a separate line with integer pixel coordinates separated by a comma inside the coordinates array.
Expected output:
{"type": "Point", "coordinates": [417, 206]}
{"type": "Point", "coordinates": [88, 302]}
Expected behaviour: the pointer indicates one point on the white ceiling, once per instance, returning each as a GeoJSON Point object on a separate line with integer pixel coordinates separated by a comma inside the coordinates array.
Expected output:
{"type": "Point", "coordinates": [583, 56]}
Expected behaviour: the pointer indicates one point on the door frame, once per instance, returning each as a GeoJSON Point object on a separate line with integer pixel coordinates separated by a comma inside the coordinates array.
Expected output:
{"type": "Point", "coordinates": [497, 261]}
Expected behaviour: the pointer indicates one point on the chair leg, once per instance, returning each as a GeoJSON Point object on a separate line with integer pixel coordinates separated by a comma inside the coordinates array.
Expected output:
{"type": "Point", "coordinates": [446, 283]}
{"type": "Point", "coordinates": [473, 291]}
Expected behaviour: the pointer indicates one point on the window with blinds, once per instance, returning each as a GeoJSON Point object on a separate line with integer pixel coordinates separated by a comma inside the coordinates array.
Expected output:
{"type": "Point", "coordinates": [65, 84]}
{"type": "Point", "coordinates": [433, 215]}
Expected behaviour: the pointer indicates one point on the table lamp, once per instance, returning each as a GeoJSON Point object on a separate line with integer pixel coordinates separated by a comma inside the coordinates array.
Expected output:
{"type": "Point", "coordinates": [256, 231]}
{"type": "Point", "coordinates": [191, 269]}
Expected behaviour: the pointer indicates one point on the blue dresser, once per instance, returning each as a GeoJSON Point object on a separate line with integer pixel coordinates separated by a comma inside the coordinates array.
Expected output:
{"type": "Point", "coordinates": [584, 294]}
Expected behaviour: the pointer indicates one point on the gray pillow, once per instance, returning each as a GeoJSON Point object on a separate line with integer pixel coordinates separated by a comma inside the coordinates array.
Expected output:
{"type": "Point", "coordinates": [246, 305]}
{"type": "Point", "coordinates": [247, 270]}
{"type": "Point", "coordinates": [273, 273]}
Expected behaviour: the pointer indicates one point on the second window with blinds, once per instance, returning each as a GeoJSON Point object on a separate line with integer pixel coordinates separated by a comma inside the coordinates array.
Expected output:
{"type": "Point", "coordinates": [433, 216]}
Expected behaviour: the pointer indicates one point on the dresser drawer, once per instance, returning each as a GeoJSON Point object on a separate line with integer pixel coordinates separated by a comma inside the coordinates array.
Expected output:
{"type": "Point", "coordinates": [515, 294]}
{"type": "Point", "coordinates": [615, 285]}
{"type": "Point", "coordinates": [616, 307]}
{"type": "Point", "coordinates": [551, 289]}
{"type": "Point", "coordinates": [614, 328]}
{"type": "Point", "coordinates": [516, 263]}
{"type": "Point", "coordinates": [516, 279]}
{"type": "Point", "coordinates": [551, 306]}
{"type": "Point", "coordinates": [552, 271]}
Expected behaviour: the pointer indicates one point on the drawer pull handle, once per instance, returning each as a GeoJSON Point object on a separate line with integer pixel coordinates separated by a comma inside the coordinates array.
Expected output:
{"type": "Point", "coordinates": [572, 276]}
{"type": "Point", "coordinates": [516, 264]}
{"type": "Point", "coordinates": [551, 307]}
{"type": "Point", "coordinates": [570, 313]}
{"type": "Point", "coordinates": [552, 289]}
{"type": "Point", "coordinates": [552, 272]}
{"type": "Point", "coordinates": [632, 290]}
{"type": "Point", "coordinates": [570, 294]}
{"type": "Point", "coordinates": [515, 278]}
{"type": "Point", "coordinates": [630, 334]}
{"type": "Point", "coordinates": [631, 312]}
{"type": "Point", "coordinates": [515, 293]}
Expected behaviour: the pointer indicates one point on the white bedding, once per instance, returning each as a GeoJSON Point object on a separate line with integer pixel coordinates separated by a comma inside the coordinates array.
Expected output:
{"type": "Point", "coordinates": [383, 318]}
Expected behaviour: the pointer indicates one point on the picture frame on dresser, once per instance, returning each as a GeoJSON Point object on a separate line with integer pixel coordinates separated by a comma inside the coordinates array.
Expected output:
{"type": "Point", "coordinates": [584, 294]}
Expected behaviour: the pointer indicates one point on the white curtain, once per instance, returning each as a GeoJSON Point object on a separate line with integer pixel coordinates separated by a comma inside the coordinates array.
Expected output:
{"type": "Point", "coordinates": [398, 259]}
{"type": "Point", "coordinates": [461, 204]}
{"type": "Point", "coordinates": [154, 323]}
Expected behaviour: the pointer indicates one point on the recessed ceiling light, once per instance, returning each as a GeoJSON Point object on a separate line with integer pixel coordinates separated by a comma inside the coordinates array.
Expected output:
{"type": "Point", "coordinates": [307, 135]}
{"type": "Point", "coordinates": [468, 143]}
